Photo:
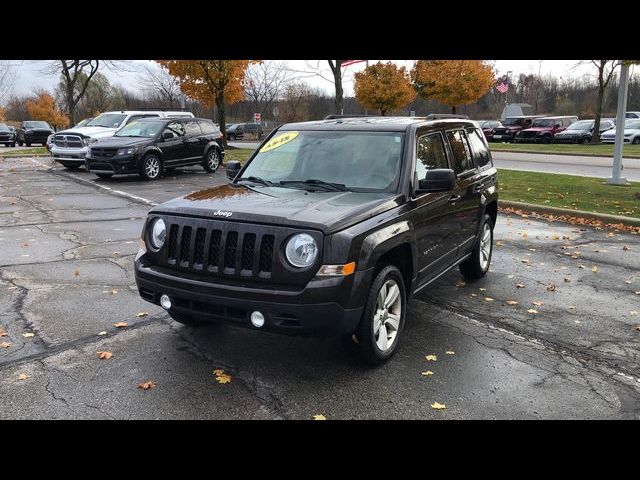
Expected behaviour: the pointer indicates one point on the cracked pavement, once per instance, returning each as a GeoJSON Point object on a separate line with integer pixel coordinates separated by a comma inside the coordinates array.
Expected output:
{"type": "Point", "coordinates": [66, 275]}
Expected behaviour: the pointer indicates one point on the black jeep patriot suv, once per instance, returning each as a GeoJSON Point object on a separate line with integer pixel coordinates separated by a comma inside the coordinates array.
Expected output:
{"type": "Point", "coordinates": [328, 229]}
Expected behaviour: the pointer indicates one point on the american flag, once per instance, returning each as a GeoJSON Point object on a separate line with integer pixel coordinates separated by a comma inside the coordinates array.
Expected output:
{"type": "Point", "coordinates": [503, 86]}
{"type": "Point", "coordinates": [350, 62]}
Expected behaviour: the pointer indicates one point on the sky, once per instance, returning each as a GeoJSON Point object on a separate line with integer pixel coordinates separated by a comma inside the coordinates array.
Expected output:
{"type": "Point", "coordinates": [30, 74]}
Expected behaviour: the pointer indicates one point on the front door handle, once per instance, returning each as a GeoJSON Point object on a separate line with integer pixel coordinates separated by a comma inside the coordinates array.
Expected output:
{"type": "Point", "coordinates": [454, 198]}
{"type": "Point", "coordinates": [478, 188]}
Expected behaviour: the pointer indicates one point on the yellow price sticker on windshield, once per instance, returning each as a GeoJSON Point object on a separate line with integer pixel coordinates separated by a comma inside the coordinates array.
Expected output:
{"type": "Point", "coordinates": [278, 141]}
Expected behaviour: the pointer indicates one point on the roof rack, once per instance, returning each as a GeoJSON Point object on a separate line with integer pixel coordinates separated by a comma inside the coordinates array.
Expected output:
{"type": "Point", "coordinates": [331, 117]}
{"type": "Point", "coordinates": [438, 116]}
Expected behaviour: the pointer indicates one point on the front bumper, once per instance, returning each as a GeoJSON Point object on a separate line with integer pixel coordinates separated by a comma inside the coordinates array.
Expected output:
{"type": "Point", "coordinates": [503, 137]}
{"type": "Point", "coordinates": [69, 155]}
{"type": "Point", "coordinates": [318, 309]}
{"type": "Point", "coordinates": [117, 164]}
{"type": "Point", "coordinates": [538, 139]}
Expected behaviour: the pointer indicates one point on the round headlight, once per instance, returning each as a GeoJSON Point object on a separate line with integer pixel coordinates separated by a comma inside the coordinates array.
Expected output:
{"type": "Point", "coordinates": [158, 233]}
{"type": "Point", "coordinates": [301, 250]}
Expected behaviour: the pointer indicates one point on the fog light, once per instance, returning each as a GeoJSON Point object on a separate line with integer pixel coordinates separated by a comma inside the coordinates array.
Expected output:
{"type": "Point", "coordinates": [165, 302]}
{"type": "Point", "coordinates": [257, 319]}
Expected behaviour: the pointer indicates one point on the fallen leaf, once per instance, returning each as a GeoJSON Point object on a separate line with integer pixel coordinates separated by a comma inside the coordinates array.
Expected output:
{"type": "Point", "coordinates": [105, 355]}
{"type": "Point", "coordinates": [551, 287]}
{"type": "Point", "coordinates": [594, 269]}
{"type": "Point", "coordinates": [571, 307]}
{"type": "Point", "coordinates": [482, 289]}
{"type": "Point", "coordinates": [638, 327]}
{"type": "Point", "coordinates": [23, 376]}
{"type": "Point", "coordinates": [499, 243]}
{"type": "Point", "coordinates": [113, 291]}
{"type": "Point", "coordinates": [519, 285]}
{"type": "Point", "coordinates": [224, 378]}
{"type": "Point", "coordinates": [474, 294]}
{"type": "Point", "coordinates": [147, 385]}
{"type": "Point", "coordinates": [625, 248]}
{"type": "Point", "coordinates": [555, 237]}
{"type": "Point", "coordinates": [77, 273]}
{"type": "Point", "coordinates": [120, 324]}
{"type": "Point", "coordinates": [319, 416]}
{"type": "Point", "coordinates": [637, 293]}
{"type": "Point", "coordinates": [102, 333]}
{"type": "Point", "coordinates": [633, 312]}
{"type": "Point", "coordinates": [537, 304]}
{"type": "Point", "coordinates": [460, 284]}
{"type": "Point", "coordinates": [5, 344]}
{"type": "Point", "coordinates": [628, 281]}
{"type": "Point", "coordinates": [532, 310]}
{"type": "Point", "coordinates": [427, 373]}
{"type": "Point", "coordinates": [28, 334]}
{"type": "Point", "coordinates": [567, 280]}
{"type": "Point", "coordinates": [431, 358]}
{"type": "Point", "coordinates": [488, 299]}
{"type": "Point", "coordinates": [581, 266]}
{"type": "Point", "coordinates": [116, 253]}
{"type": "Point", "coordinates": [512, 302]}
{"type": "Point", "coordinates": [450, 352]}
{"type": "Point", "coordinates": [578, 322]}
{"type": "Point", "coordinates": [142, 314]}
{"type": "Point", "coordinates": [3, 333]}
{"type": "Point", "coordinates": [438, 406]}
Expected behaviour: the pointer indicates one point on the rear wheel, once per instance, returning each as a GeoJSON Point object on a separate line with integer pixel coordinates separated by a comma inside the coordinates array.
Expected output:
{"type": "Point", "coordinates": [376, 338]}
{"type": "Point", "coordinates": [585, 140]}
{"type": "Point", "coordinates": [231, 136]}
{"type": "Point", "coordinates": [477, 265]}
{"type": "Point", "coordinates": [547, 139]}
{"type": "Point", "coordinates": [636, 141]}
{"type": "Point", "coordinates": [20, 143]}
{"type": "Point", "coordinates": [28, 144]}
{"type": "Point", "coordinates": [12, 144]}
{"type": "Point", "coordinates": [211, 160]}
{"type": "Point", "coordinates": [150, 167]}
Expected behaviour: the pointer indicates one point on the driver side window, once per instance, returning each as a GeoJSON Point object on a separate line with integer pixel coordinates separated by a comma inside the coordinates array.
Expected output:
{"type": "Point", "coordinates": [175, 129]}
{"type": "Point", "coordinates": [430, 154]}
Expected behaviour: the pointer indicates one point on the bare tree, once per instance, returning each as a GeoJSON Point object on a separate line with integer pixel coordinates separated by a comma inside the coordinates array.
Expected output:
{"type": "Point", "coordinates": [295, 102]}
{"type": "Point", "coordinates": [336, 79]}
{"type": "Point", "coordinates": [264, 82]}
{"type": "Point", "coordinates": [605, 69]}
{"type": "Point", "coordinates": [158, 80]}
{"type": "Point", "coordinates": [7, 77]}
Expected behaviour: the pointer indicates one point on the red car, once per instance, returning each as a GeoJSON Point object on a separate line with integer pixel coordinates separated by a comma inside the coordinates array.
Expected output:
{"type": "Point", "coordinates": [543, 130]}
{"type": "Point", "coordinates": [487, 127]}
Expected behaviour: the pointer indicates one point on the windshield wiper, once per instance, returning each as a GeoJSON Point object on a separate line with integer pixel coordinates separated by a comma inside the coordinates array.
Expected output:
{"type": "Point", "coordinates": [338, 187]}
{"type": "Point", "coordinates": [262, 181]}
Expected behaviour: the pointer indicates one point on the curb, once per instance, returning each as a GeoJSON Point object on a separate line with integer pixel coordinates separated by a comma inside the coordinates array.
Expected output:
{"type": "Point", "coordinates": [569, 154]}
{"type": "Point", "coordinates": [607, 218]}
{"type": "Point", "coordinates": [37, 155]}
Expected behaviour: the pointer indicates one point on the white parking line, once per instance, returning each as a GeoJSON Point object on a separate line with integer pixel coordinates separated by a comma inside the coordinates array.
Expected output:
{"type": "Point", "coordinates": [102, 187]}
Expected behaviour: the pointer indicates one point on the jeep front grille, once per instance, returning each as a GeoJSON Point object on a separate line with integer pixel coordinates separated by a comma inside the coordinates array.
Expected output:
{"type": "Point", "coordinates": [525, 134]}
{"type": "Point", "coordinates": [236, 255]}
{"type": "Point", "coordinates": [70, 141]}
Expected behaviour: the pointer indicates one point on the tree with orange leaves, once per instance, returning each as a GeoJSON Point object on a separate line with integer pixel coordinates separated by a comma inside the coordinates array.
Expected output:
{"type": "Point", "coordinates": [212, 82]}
{"type": "Point", "coordinates": [383, 87]}
{"type": "Point", "coordinates": [44, 108]}
{"type": "Point", "coordinates": [452, 82]}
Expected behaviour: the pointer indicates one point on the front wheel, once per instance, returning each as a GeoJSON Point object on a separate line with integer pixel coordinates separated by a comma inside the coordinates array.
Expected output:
{"type": "Point", "coordinates": [547, 139]}
{"type": "Point", "coordinates": [636, 141]}
{"type": "Point", "coordinates": [378, 334]}
{"type": "Point", "coordinates": [211, 160]}
{"type": "Point", "coordinates": [477, 265]}
{"type": "Point", "coordinates": [28, 144]}
{"type": "Point", "coordinates": [585, 141]}
{"type": "Point", "coordinates": [20, 143]}
{"type": "Point", "coordinates": [150, 167]}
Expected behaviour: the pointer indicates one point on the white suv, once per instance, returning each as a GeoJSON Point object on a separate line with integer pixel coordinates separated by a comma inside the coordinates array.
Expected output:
{"type": "Point", "coordinates": [69, 147]}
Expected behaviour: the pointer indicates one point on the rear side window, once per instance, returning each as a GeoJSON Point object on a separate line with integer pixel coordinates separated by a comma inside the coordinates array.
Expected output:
{"type": "Point", "coordinates": [460, 149]}
{"type": "Point", "coordinates": [479, 147]}
{"type": "Point", "coordinates": [192, 128]}
{"type": "Point", "coordinates": [207, 127]}
{"type": "Point", "coordinates": [430, 154]}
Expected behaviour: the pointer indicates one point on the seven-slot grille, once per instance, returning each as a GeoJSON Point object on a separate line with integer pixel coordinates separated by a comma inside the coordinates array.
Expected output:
{"type": "Point", "coordinates": [73, 141]}
{"type": "Point", "coordinates": [220, 251]}
{"type": "Point", "coordinates": [103, 152]}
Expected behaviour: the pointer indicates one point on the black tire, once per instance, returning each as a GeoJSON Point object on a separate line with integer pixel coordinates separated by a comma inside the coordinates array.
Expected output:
{"type": "Point", "coordinates": [28, 144]}
{"type": "Point", "coordinates": [71, 166]}
{"type": "Point", "coordinates": [585, 140]}
{"type": "Point", "coordinates": [231, 136]}
{"type": "Point", "coordinates": [472, 268]}
{"type": "Point", "coordinates": [19, 143]}
{"type": "Point", "coordinates": [104, 175]}
{"type": "Point", "coordinates": [188, 320]}
{"type": "Point", "coordinates": [7, 145]}
{"type": "Point", "coordinates": [363, 340]}
{"type": "Point", "coordinates": [12, 144]}
{"type": "Point", "coordinates": [547, 139]}
{"type": "Point", "coordinates": [636, 141]}
{"type": "Point", "coordinates": [211, 161]}
{"type": "Point", "coordinates": [150, 167]}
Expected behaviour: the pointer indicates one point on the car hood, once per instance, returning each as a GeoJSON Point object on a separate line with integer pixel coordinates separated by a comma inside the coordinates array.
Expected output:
{"type": "Point", "coordinates": [537, 129]}
{"type": "Point", "coordinates": [119, 142]}
{"type": "Point", "coordinates": [38, 130]}
{"type": "Point", "coordinates": [325, 211]}
{"type": "Point", "coordinates": [510, 127]}
{"type": "Point", "coordinates": [93, 132]}
{"type": "Point", "coordinates": [572, 132]}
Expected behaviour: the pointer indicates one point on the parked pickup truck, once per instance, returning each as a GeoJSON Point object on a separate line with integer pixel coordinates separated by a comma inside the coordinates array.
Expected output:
{"type": "Point", "coordinates": [328, 229]}
{"type": "Point", "coordinates": [69, 147]}
{"type": "Point", "coordinates": [512, 125]}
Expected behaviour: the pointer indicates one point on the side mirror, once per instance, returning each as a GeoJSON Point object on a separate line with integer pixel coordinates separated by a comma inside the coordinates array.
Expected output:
{"type": "Point", "coordinates": [232, 168]}
{"type": "Point", "coordinates": [167, 136]}
{"type": "Point", "coordinates": [437, 180]}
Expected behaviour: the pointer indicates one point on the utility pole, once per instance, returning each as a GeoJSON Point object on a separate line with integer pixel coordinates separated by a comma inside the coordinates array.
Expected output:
{"type": "Point", "coordinates": [623, 91]}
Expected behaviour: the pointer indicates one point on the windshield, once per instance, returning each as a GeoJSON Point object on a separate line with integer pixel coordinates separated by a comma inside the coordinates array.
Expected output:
{"type": "Point", "coordinates": [632, 125]}
{"type": "Point", "coordinates": [582, 125]}
{"type": "Point", "coordinates": [108, 120]}
{"type": "Point", "coordinates": [37, 125]}
{"type": "Point", "coordinates": [513, 121]}
{"type": "Point", "coordinates": [361, 161]}
{"type": "Point", "coordinates": [140, 129]}
{"type": "Point", "coordinates": [4, 128]}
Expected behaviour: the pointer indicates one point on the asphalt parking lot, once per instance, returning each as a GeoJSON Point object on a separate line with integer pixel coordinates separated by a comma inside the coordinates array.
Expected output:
{"type": "Point", "coordinates": [569, 348]}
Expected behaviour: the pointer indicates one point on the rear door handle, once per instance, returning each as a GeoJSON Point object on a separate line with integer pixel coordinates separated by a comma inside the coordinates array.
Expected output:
{"type": "Point", "coordinates": [454, 198]}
